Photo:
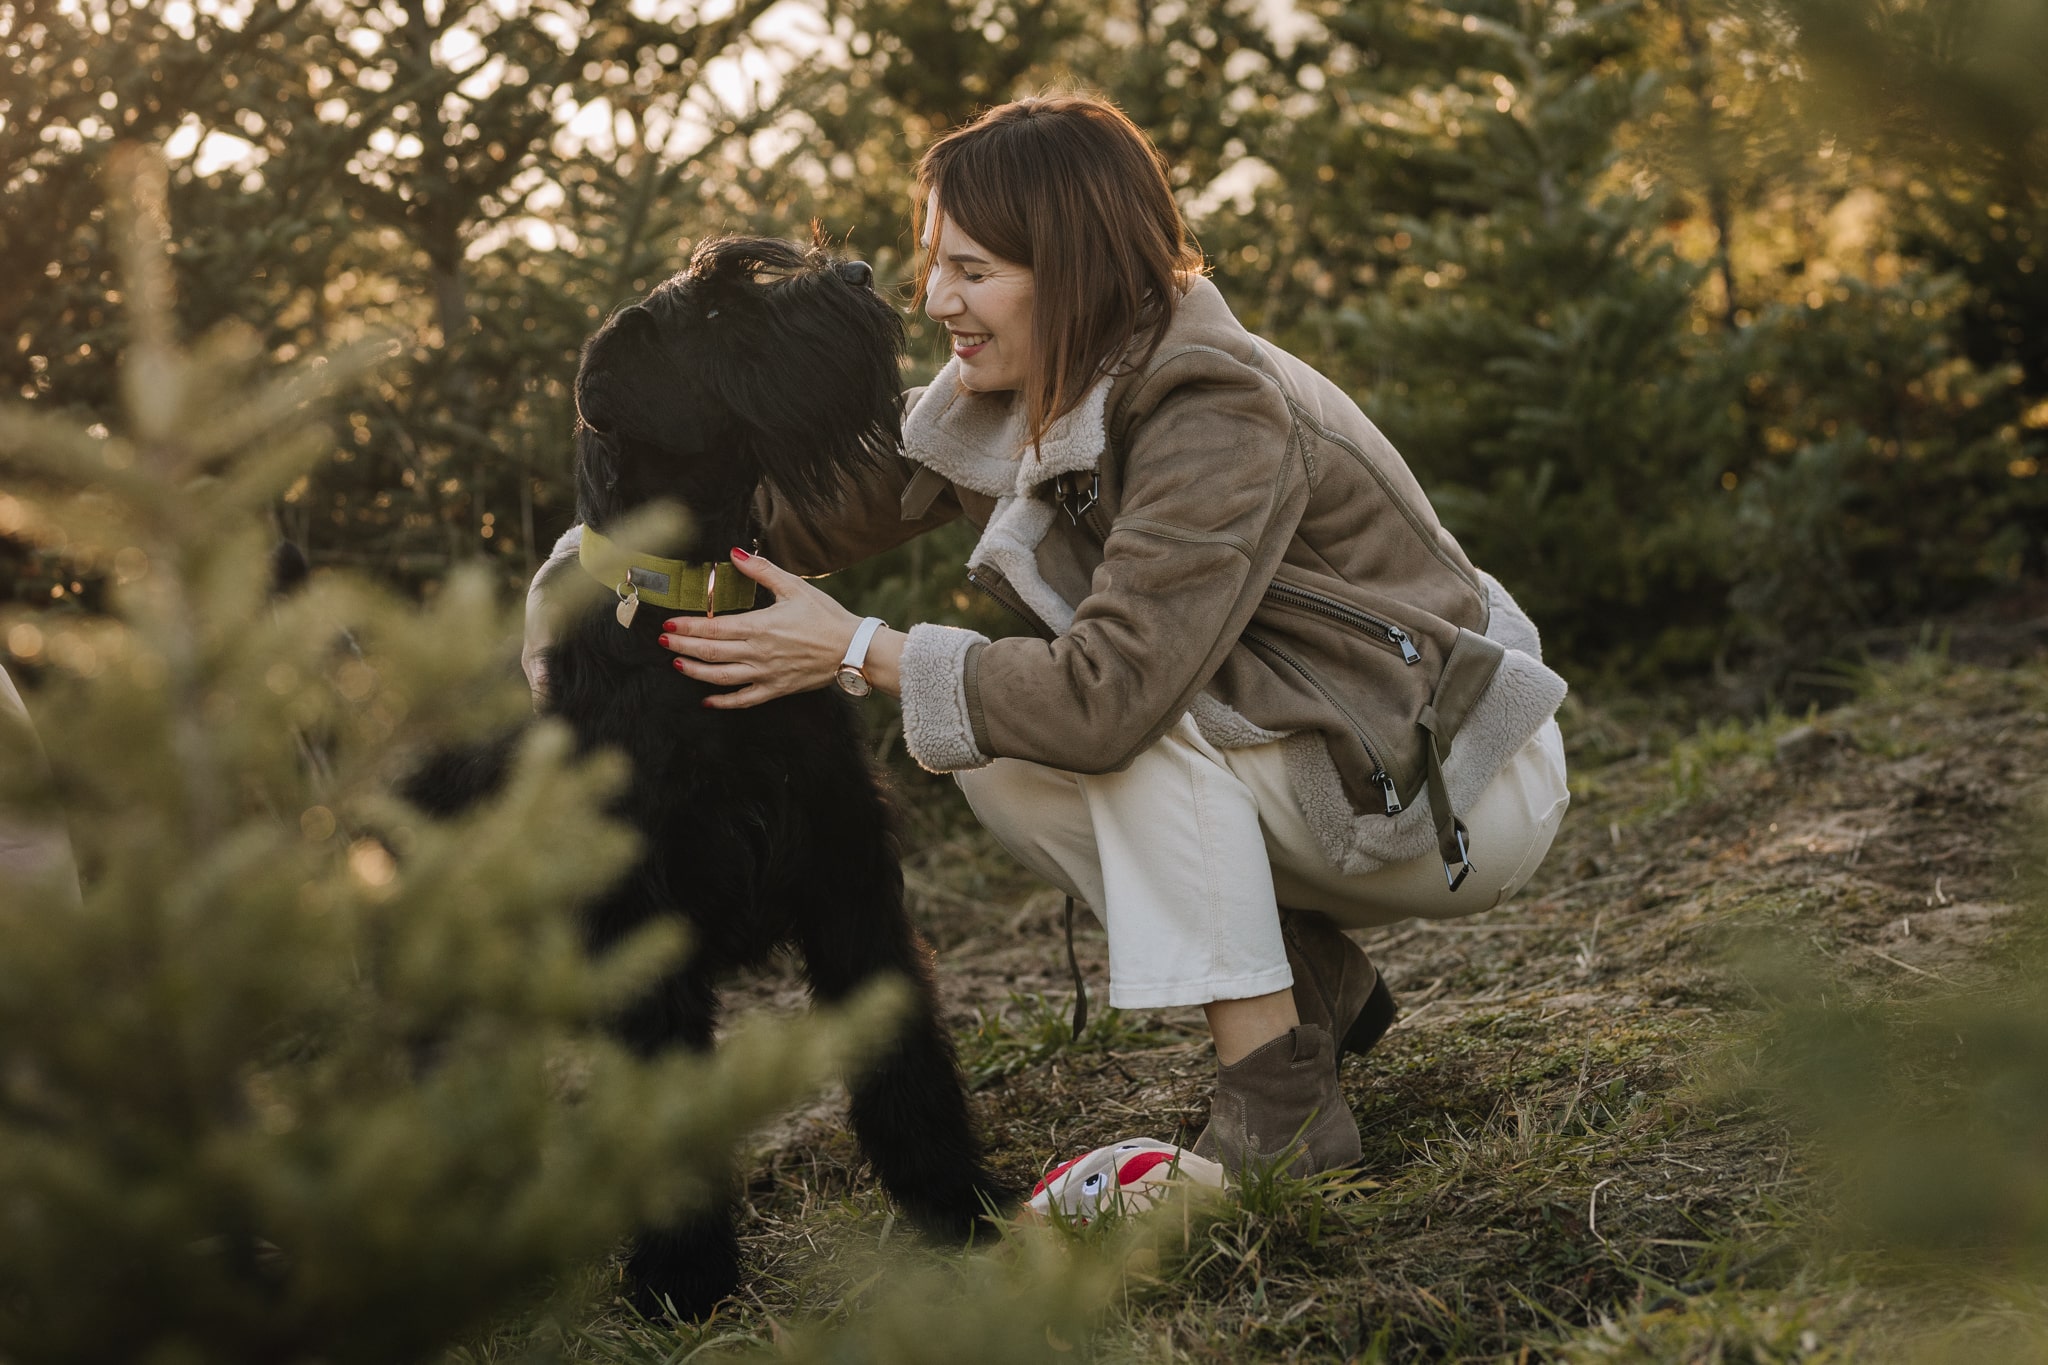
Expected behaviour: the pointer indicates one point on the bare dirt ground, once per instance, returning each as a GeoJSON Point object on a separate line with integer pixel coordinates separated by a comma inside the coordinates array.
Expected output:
{"type": "Point", "coordinates": [1555, 1164]}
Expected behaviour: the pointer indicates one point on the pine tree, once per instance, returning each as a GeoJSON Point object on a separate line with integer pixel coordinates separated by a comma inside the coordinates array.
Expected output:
{"type": "Point", "coordinates": [1456, 244]}
{"type": "Point", "coordinates": [306, 1076]}
{"type": "Point", "coordinates": [385, 150]}
{"type": "Point", "coordinates": [1951, 97]}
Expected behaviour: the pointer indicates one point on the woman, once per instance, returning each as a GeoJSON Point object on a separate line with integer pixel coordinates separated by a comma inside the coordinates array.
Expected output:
{"type": "Point", "coordinates": [1262, 675]}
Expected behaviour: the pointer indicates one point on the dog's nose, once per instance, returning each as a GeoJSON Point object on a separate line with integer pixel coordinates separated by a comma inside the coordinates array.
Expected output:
{"type": "Point", "coordinates": [857, 272]}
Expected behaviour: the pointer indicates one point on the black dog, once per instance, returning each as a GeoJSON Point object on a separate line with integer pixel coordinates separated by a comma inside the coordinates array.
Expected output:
{"type": "Point", "coordinates": [762, 362]}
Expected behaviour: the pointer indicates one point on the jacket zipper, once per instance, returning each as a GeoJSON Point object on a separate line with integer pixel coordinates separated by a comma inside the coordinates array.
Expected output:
{"type": "Point", "coordinates": [1386, 632]}
{"type": "Point", "coordinates": [1036, 626]}
{"type": "Point", "coordinates": [1379, 770]}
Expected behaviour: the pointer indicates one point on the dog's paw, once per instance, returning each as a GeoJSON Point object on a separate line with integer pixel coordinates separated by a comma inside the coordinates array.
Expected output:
{"type": "Point", "coordinates": [681, 1274]}
{"type": "Point", "coordinates": [971, 1211]}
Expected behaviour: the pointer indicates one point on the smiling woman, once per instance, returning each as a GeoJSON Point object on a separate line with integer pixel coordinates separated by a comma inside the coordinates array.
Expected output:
{"type": "Point", "coordinates": [1078, 206]}
{"type": "Point", "coordinates": [985, 304]}
{"type": "Point", "coordinates": [1260, 675]}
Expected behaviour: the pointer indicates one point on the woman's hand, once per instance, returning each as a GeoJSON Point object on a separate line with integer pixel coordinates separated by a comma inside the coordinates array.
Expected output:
{"type": "Point", "coordinates": [793, 645]}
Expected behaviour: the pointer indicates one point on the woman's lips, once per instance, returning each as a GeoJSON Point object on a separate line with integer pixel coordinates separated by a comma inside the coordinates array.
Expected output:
{"type": "Point", "coordinates": [966, 344]}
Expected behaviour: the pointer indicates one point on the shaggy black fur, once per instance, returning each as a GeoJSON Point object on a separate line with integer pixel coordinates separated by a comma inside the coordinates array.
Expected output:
{"type": "Point", "coordinates": [766, 826]}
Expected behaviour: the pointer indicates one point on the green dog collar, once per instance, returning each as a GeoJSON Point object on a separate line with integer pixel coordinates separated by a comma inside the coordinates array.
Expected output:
{"type": "Point", "coordinates": [675, 584]}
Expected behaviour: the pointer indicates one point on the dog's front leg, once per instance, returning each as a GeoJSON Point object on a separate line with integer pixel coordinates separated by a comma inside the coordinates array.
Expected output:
{"type": "Point", "coordinates": [685, 1267]}
{"type": "Point", "coordinates": [909, 1108]}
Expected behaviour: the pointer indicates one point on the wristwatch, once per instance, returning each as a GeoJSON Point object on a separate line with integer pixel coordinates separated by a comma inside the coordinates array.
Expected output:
{"type": "Point", "coordinates": [852, 677]}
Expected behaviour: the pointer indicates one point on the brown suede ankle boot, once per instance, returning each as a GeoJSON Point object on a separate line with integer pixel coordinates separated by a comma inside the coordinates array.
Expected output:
{"type": "Point", "coordinates": [1278, 1099]}
{"type": "Point", "coordinates": [1335, 983]}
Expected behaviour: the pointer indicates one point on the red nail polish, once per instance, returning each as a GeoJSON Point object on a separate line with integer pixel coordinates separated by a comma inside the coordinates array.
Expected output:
{"type": "Point", "coordinates": [662, 640]}
{"type": "Point", "coordinates": [676, 664]}
{"type": "Point", "coordinates": [671, 625]}
{"type": "Point", "coordinates": [738, 554]}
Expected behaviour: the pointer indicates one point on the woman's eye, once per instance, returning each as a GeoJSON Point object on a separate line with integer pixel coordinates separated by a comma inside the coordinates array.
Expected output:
{"type": "Point", "coordinates": [972, 277]}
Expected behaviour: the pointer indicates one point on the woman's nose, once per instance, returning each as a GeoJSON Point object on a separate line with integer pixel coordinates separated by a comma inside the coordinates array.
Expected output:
{"type": "Point", "coordinates": [940, 299]}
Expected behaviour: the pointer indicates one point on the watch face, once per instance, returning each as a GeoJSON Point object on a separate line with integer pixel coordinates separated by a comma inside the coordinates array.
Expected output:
{"type": "Point", "coordinates": [852, 681]}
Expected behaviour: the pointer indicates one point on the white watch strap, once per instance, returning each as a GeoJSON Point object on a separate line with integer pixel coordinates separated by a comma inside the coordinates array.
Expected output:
{"type": "Point", "coordinates": [863, 635]}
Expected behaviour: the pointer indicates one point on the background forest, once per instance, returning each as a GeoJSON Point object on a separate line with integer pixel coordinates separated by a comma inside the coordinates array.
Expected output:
{"type": "Point", "coordinates": [1718, 329]}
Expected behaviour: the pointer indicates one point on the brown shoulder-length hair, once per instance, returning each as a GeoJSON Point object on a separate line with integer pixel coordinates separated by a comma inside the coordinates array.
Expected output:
{"type": "Point", "coordinates": [1068, 186]}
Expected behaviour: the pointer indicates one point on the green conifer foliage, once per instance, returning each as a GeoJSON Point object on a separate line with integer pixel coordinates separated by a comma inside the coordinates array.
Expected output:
{"type": "Point", "coordinates": [369, 164]}
{"type": "Point", "coordinates": [1519, 322]}
{"type": "Point", "coordinates": [1952, 96]}
{"type": "Point", "coordinates": [305, 1076]}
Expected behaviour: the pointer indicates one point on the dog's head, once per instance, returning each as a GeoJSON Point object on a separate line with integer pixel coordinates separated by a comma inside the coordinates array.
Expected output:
{"type": "Point", "coordinates": [763, 360]}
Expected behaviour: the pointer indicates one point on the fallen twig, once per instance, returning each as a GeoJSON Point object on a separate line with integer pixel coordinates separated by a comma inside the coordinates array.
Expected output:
{"type": "Point", "coordinates": [1907, 966]}
{"type": "Point", "coordinates": [1593, 1208]}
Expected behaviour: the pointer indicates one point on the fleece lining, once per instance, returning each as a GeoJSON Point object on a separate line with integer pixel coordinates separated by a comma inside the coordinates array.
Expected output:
{"type": "Point", "coordinates": [977, 439]}
{"type": "Point", "coordinates": [937, 729]}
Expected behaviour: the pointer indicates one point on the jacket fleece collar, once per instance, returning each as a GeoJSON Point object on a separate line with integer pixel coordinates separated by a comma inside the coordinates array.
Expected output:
{"type": "Point", "coordinates": [976, 440]}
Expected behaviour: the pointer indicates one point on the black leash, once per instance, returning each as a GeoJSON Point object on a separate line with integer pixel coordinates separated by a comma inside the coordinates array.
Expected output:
{"type": "Point", "coordinates": [1080, 986]}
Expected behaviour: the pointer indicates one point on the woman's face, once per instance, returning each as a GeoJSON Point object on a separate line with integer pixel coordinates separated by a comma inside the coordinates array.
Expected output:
{"type": "Point", "coordinates": [984, 303]}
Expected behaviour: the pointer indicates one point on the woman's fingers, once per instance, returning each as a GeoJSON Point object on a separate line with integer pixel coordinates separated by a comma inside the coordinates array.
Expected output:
{"type": "Point", "coordinates": [744, 697]}
{"type": "Point", "coordinates": [778, 581]}
{"type": "Point", "coordinates": [721, 675]}
{"type": "Point", "coordinates": [792, 644]}
{"type": "Point", "coordinates": [710, 649]}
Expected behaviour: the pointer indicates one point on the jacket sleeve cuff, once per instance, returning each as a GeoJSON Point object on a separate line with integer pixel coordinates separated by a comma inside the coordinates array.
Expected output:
{"type": "Point", "coordinates": [938, 725]}
{"type": "Point", "coordinates": [538, 637]}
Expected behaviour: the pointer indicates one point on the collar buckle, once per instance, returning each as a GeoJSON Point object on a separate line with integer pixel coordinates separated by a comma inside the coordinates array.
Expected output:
{"type": "Point", "coordinates": [1067, 490]}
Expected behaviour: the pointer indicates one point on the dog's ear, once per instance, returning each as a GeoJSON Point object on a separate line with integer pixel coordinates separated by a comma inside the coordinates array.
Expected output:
{"type": "Point", "coordinates": [625, 374]}
{"type": "Point", "coordinates": [622, 363]}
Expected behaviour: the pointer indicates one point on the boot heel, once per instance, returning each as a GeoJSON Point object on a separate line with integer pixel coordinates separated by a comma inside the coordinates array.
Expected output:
{"type": "Point", "coordinates": [1372, 1022]}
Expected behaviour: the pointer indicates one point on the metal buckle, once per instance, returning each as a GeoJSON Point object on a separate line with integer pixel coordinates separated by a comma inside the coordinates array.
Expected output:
{"type": "Point", "coordinates": [1464, 864]}
{"type": "Point", "coordinates": [1067, 496]}
{"type": "Point", "coordinates": [711, 593]}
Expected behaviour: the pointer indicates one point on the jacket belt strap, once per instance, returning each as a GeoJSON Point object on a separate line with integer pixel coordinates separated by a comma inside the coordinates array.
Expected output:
{"type": "Point", "coordinates": [1452, 843]}
{"type": "Point", "coordinates": [921, 492]}
{"type": "Point", "coordinates": [675, 584]}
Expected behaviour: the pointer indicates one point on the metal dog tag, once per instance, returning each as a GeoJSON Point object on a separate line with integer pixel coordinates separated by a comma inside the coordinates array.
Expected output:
{"type": "Point", "coordinates": [629, 603]}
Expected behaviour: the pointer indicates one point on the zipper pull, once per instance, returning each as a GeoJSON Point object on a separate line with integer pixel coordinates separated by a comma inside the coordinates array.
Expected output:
{"type": "Point", "coordinates": [1409, 655]}
{"type": "Point", "coordinates": [1387, 790]}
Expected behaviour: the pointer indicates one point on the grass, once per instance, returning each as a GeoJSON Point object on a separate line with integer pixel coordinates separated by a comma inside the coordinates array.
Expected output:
{"type": "Point", "coordinates": [1029, 1030]}
{"type": "Point", "coordinates": [1580, 1141]}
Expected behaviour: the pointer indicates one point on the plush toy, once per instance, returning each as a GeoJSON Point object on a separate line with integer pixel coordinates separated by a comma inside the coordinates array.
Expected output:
{"type": "Point", "coordinates": [1128, 1177]}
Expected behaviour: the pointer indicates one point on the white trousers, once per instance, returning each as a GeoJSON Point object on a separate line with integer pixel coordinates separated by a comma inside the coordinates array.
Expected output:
{"type": "Point", "coordinates": [1186, 855]}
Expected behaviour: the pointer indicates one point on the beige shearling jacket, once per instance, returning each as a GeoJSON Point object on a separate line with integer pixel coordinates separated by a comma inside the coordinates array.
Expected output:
{"type": "Point", "coordinates": [1219, 531]}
